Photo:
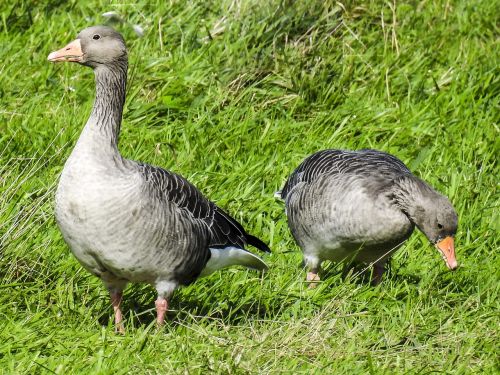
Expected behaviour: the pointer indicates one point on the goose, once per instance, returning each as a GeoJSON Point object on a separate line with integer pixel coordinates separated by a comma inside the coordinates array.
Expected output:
{"type": "Point", "coordinates": [127, 221]}
{"type": "Point", "coordinates": [361, 206]}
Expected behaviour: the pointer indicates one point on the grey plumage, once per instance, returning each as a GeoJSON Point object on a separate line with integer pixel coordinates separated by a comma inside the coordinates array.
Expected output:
{"type": "Point", "coordinates": [132, 222]}
{"type": "Point", "coordinates": [361, 206]}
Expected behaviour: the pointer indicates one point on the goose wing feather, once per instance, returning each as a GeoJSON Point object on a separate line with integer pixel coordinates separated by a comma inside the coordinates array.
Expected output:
{"type": "Point", "coordinates": [224, 230]}
{"type": "Point", "coordinates": [332, 162]}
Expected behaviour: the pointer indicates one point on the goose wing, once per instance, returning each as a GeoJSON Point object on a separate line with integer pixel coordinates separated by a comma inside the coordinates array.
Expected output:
{"type": "Point", "coordinates": [362, 162]}
{"type": "Point", "coordinates": [224, 230]}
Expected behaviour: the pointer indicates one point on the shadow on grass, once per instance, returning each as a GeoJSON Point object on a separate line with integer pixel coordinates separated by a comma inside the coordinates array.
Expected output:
{"type": "Point", "coordinates": [361, 274]}
{"type": "Point", "coordinates": [138, 304]}
{"type": "Point", "coordinates": [138, 307]}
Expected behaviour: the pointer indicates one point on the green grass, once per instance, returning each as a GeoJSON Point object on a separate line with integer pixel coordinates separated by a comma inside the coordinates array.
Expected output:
{"type": "Point", "coordinates": [233, 95]}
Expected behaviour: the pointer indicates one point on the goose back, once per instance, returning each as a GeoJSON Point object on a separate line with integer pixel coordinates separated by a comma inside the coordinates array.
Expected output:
{"type": "Point", "coordinates": [332, 162]}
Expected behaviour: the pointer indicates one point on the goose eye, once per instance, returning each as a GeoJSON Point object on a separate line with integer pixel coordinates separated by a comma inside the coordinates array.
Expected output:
{"type": "Point", "coordinates": [440, 226]}
{"type": "Point", "coordinates": [96, 37]}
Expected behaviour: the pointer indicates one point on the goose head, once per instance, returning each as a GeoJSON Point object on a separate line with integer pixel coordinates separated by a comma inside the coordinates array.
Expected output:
{"type": "Point", "coordinates": [432, 213]}
{"type": "Point", "coordinates": [94, 47]}
{"type": "Point", "coordinates": [438, 221]}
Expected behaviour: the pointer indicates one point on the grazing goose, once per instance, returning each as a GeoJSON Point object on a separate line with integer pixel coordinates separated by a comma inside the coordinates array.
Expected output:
{"type": "Point", "coordinates": [360, 206]}
{"type": "Point", "coordinates": [131, 222]}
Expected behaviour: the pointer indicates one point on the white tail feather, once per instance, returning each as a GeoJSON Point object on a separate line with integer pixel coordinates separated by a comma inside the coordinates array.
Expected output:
{"type": "Point", "coordinates": [232, 256]}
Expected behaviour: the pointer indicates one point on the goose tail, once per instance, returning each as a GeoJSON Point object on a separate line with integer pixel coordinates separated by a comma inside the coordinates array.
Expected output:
{"type": "Point", "coordinates": [257, 243]}
{"type": "Point", "coordinates": [232, 256]}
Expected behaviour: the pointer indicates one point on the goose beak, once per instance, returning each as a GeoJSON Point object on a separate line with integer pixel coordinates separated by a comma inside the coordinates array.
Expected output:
{"type": "Point", "coordinates": [72, 52]}
{"type": "Point", "coordinates": [447, 249]}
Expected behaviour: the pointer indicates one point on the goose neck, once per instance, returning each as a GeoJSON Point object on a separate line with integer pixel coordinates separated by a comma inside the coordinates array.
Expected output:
{"type": "Point", "coordinates": [410, 194]}
{"type": "Point", "coordinates": [106, 116]}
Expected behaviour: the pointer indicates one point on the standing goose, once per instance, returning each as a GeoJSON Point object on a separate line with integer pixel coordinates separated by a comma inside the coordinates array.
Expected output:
{"type": "Point", "coordinates": [360, 206]}
{"type": "Point", "coordinates": [131, 222]}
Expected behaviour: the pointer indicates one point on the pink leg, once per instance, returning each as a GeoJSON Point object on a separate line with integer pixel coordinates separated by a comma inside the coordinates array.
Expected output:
{"type": "Point", "coordinates": [313, 279]}
{"type": "Point", "coordinates": [116, 299]}
{"type": "Point", "coordinates": [378, 272]}
{"type": "Point", "coordinates": [161, 308]}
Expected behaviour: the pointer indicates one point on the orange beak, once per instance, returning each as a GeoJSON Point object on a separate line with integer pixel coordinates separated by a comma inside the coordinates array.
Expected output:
{"type": "Point", "coordinates": [72, 52]}
{"type": "Point", "coordinates": [447, 249]}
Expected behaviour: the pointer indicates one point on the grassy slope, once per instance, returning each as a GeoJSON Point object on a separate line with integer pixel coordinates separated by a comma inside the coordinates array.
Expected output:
{"type": "Point", "coordinates": [235, 113]}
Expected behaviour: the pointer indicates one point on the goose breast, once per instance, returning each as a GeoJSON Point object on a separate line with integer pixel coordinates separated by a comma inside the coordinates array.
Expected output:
{"type": "Point", "coordinates": [113, 223]}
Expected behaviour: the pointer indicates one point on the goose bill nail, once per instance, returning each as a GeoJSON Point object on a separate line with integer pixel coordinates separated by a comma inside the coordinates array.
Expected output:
{"type": "Point", "coordinates": [447, 248]}
{"type": "Point", "coordinates": [72, 52]}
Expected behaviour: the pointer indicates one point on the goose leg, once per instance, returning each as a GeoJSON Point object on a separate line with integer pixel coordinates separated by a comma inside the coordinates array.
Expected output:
{"type": "Point", "coordinates": [314, 265]}
{"type": "Point", "coordinates": [378, 273]}
{"type": "Point", "coordinates": [313, 278]}
{"type": "Point", "coordinates": [165, 290]}
{"type": "Point", "coordinates": [115, 288]}
{"type": "Point", "coordinates": [116, 299]}
{"type": "Point", "coordinates": [161, 308]}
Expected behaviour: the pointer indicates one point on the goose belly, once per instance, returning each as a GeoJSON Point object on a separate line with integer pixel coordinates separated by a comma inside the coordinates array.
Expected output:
{"type": "Point", "coordinates": [111, 228]}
